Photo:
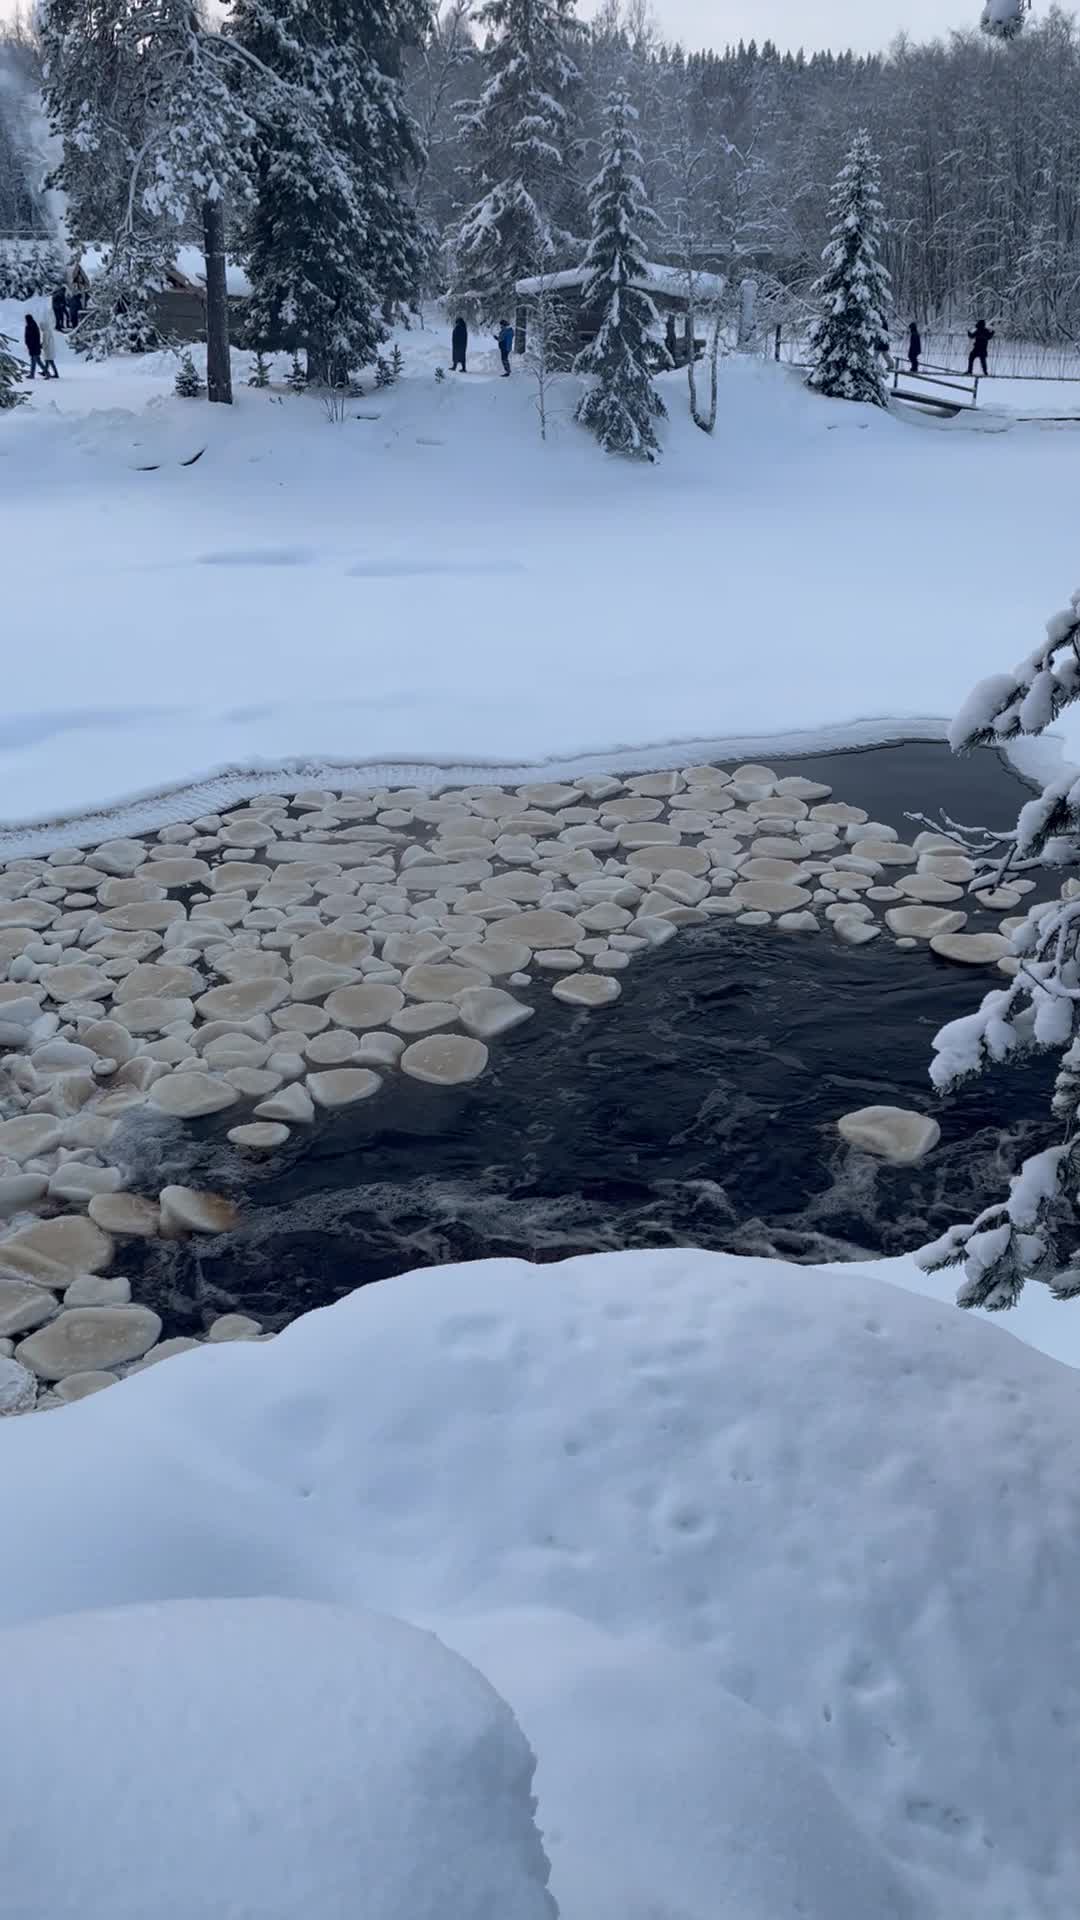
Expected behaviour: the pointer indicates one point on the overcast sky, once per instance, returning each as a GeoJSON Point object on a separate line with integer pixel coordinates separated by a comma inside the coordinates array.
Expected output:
{"type": "Point", "coordinates": [865, 24]}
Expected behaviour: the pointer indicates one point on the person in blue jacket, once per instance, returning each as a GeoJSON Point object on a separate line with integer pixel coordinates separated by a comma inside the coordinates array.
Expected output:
{"type": "Point", "coordinates": [505, 339]}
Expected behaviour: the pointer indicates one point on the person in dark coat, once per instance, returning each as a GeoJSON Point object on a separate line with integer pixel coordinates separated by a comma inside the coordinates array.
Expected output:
{"type": "Point", "coordinates": [59, 307]}
{"type": "Point", "coordinates": [32, 337]}
{"type": "Point", "coordinates": [980, 340]}
{"type": "Point", "coordinates": [505, 339]}
{"type": "Point", "coordinates": [914, 348]}
{"type": "Point", "coordinates": [459, 344]}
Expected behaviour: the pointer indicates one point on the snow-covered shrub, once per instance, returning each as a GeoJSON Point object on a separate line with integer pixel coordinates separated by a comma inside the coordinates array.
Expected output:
{"type": "Point", "coordinates": [296, 379]}
{"type": "Point", "coordinates": [621, 401]}
{"type": "Point", "coordinates": [1034, 1233]}
{"type": "Point", "coordinates": [849, 341]}
{"type": "Point", "coordinates": [188, 386]}
{"type": "Point", "coordinates": [266, 1758]}
{"type": "Point", "coordinates": [260, 371]}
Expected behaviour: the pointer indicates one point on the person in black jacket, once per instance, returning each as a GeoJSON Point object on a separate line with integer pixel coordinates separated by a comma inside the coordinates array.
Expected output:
{"type": "Point", "coordinates": [914, 348]}
{"type": "Point", "coordinates": [59, 307]}
{"type": "Point", "coordinates": [980, 340]}
{"type": "Point", "coordinates": [32, 337]}
{"type": "Point", "coordinates": [459, 342]}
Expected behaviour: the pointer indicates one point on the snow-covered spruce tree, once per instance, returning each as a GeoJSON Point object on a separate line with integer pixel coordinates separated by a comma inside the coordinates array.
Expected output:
{"type": "Point", "coordinates": [621, 402]}
{"type": "Point", "coordinates": [11, 375]}
{"type": "Point", "coordinates": [1034, 1233]}
{"type": "Point", "coordinates": [849, 341]}
{"type": "Point", "coordinates": [333, 234]}
{"type": "Point", "coordinates": [516, 140]}
{"type": "Point", "coordinates": [147, 94]}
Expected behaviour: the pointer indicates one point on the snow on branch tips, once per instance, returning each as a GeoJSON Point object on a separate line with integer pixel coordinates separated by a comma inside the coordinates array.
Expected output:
{"type": "Point", "coordinates": [1035, 1233]}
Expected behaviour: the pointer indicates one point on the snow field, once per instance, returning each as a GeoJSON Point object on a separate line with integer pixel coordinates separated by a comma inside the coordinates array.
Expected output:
{"type": "Point", "coordinates": [428, 583]}
{"type": "Point", "coordinates": [629, 1485]}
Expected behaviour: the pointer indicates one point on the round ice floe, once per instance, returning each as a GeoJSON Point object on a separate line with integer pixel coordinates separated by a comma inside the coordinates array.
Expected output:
{"type": "Point", "coordinates": [342, 1086]}
{"type": "Point", "coordinates": [84, 1339]}
{"type": "Point", "coordinates": [189, 1096]}
{"type": "Point", "coordinates": [893, 1133]}
{"type": "Point", "coordinates": [183, 1210]}
{"type": "Point", "coordinates": [259, 1136]}
{"type": "Point", "coordinates": [971, 949]}
{"type": "Point", "coordinates": [52, 1252]}
{"type": "Point", "coordinates": [445, 1059]}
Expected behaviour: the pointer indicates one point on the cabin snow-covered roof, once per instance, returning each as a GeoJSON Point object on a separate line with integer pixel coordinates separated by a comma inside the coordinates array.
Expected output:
{"type": "Point", "coordinates": [657, 278]}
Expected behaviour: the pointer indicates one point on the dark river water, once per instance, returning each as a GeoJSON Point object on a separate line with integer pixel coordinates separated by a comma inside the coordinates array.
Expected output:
{"type": "Point", "coordinates": [700, 1110]}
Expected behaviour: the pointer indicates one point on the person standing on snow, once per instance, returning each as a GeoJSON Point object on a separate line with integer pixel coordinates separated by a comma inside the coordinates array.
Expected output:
{"type": "Point", "coordinates": [459, 343]}
{"type": "Point", "coordinates": [48, 348]}
{"type": "Point", "coordinates": [505, 340]}
{"type": "Point", "coordinates": [914, 348]}
{"type": "Point", "coordinates": [980, 339]}
{"type": "Point", "coordinates": [59, 307]}
{"type": "Point", "coordinates": [32, 338]}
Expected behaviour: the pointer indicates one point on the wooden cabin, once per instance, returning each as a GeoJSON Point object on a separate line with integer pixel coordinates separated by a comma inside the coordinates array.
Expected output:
{"type": "Point", "coordinates": [666, 286]}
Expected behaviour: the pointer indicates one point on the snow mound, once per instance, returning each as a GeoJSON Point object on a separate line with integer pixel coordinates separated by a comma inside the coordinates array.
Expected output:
{"type": "Point", "coordinates": [710, 1813]}
{"type": "Point", "coordinates": [840, 1502]}
{"type": "Point", "coordinates": [237, 1758]}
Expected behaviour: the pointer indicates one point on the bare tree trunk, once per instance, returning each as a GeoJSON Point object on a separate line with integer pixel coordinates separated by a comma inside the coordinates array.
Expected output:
{"type": "Point", "coordinates": [218, 362]}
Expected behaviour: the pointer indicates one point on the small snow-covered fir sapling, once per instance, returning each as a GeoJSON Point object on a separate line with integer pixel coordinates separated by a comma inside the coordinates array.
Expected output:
{"type": "Point", "coordinates": [10, 378]}
{"type": "Point", "coordinates": [1034, 1233]}
{"type": "Point", "coordinates": [188, 384]}
{"type": "Point", "coordinates": [296, 380]}
{"type": "Point", "coordinates": [397, 362]}
{"type": "Point", "coordinates": [621, 402]}
{"type": "Point", "coordinates": [849, 340]}
{"type": "Point", "coordinates": [383, 374]}
{"type": "Point", "coordinates": [260, 371]}
{"type": "Point", "coordinates": [440, 373]}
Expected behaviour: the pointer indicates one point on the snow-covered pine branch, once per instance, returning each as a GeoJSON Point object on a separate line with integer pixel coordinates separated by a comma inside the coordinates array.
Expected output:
{"type": "Point", "coordinates": [621, 402]}
{"type": "Point", "coordinates": [1035, 1233]}
{"type": "Point", "coordinates": [849, 343]}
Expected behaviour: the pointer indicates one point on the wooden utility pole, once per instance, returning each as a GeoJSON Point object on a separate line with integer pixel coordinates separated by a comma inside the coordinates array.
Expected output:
{"type": "Point", "coordinates": [218, 362]}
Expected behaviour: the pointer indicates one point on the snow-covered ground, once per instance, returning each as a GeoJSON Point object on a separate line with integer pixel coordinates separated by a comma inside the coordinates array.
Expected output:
{"type": "Point", "coordinates": [776, 1567]}
{"type": "Point", "coordinates": [429, 582]}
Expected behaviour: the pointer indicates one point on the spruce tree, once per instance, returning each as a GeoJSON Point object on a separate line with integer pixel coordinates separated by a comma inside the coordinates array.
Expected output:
{"type": "Point", "coordinates": [11, 374]}
{"type": "Point", "coordinates": [333, 234]}
{"type": "Point", "coordinates": [260, 371]}
{"type": "Point", "coordinates": [518, 146]}
{"type": "Point", "coordinates": [621, 403]}
{"type": "Point", "coordinates": [849, 341]}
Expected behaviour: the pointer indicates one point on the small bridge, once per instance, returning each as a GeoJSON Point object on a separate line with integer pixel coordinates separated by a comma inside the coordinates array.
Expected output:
{"type": "Point", "coordinates": [937, 388]}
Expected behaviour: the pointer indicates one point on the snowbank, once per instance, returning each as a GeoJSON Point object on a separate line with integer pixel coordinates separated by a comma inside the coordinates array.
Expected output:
{"type": "Point", "coordinates": [429, 584]}
{"type": "Point", "coordinates": [853, 1509]}
{"type": "Point", "coordinates": [236, 1758]}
